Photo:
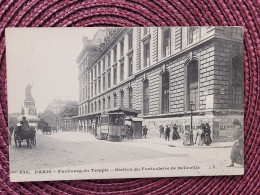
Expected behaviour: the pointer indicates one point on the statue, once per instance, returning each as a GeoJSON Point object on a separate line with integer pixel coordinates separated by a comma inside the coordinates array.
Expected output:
{"type": "Point", "coordinates": [28, 94]}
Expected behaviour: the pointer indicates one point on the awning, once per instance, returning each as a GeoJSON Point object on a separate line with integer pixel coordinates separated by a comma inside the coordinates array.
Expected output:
{"type": "Point", "coordinates": [126, 111]}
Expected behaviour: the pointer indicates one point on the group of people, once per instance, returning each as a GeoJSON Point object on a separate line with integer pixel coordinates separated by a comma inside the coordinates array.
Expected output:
{"type": "Point", "coordinates": [165, 133]}
{"type": "Point", "coordinates": [203, 135]}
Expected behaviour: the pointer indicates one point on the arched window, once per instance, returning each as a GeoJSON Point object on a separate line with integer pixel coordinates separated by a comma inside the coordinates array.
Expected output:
{"type": "Point", "coordinates": [237, 78]}
{"type": "Point", "coordinates": [99, 105]}
{"type": "Point", "coordinates": [122, 98]}
{"type": "Point", "coordinates": [130, 97]}
{"type": "Point", "coordinates": [115, 100]}
{"type": "Point", "coordinates": [108, 102]}
{"type": "Point", "coordinates": [192, 85]}
{"type": "Point", "coordinates": [165, 92]}
{"type": "Point", "coordinates": [104, 103]}
{"type": "Point", "coordinates": [146, 97]}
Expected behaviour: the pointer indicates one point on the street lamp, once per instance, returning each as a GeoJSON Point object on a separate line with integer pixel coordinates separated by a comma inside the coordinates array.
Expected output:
{"type": "Point", "coordinates": [191, 130]}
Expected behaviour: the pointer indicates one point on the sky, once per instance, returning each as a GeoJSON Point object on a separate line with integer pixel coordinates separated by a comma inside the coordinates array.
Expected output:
{"type": "Point", "coordinates": [45, 58]}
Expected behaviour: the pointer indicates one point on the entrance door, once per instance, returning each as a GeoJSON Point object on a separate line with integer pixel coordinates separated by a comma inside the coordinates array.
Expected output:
{"type": "Point", "coordinates": [137, 128]}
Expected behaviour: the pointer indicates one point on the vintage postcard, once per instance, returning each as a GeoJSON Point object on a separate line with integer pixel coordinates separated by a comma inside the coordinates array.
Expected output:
{"type": "Point", "coordinates": [109, 102]}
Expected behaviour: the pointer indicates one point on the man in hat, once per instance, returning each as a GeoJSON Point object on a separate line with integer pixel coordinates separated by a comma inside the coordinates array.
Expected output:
{"type": "Point", "coordinates": [237, 152]}
{"type": "Point", "coordinates": [167, 133]}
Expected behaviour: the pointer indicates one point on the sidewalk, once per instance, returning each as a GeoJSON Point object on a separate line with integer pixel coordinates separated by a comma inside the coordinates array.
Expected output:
{"type": "Point", "coordinates": [80, 136]}
{"type": "Point", "coordinates": [179, 143]}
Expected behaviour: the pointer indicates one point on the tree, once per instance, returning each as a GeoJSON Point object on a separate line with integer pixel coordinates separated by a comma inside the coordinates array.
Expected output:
{"type": "Point", "coordinates": [70, 110]}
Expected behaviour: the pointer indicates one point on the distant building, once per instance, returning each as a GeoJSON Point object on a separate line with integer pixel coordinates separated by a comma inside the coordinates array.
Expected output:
{"type": "Point", "coordinates": [52, 113]}
{"type": "Point", "coordinates": [164, 72]}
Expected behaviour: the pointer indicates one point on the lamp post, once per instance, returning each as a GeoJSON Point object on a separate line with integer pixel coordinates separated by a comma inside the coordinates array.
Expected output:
{"type": "Point", "coordinates": [191, 130]}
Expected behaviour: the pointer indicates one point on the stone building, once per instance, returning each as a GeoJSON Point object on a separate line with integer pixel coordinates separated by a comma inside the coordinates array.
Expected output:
{"type": "Point", "coordinates": [165, 72]}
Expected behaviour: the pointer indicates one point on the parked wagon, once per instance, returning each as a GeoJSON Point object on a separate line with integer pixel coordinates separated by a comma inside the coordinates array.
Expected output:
{"type": "Point", "coordinates": [44, 127]}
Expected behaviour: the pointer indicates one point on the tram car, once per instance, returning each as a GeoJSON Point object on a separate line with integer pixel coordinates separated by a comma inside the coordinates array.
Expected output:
{"type": "Point", "coordinates": [111, 126]}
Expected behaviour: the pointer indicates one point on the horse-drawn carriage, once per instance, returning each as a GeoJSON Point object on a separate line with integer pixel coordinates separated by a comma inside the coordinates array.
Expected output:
{"type": "Point", "coordinates": [44, 126]}
{"type": "Point", "coordinates": [25, 133]}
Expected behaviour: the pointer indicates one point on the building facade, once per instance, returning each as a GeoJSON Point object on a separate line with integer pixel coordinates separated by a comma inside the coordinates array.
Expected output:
{"type": "Point", "coordinates": [165, 72]}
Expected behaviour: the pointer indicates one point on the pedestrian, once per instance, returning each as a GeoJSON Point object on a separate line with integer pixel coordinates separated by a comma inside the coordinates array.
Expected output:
{"type": "Point", "coordinates": [167, 133]}
{"type": "Point", "coordinates": [131, 132]}
{"type": "Point", "coordinates": [198, 136]}
{"type": "Point", "coordinates": [203, 127]}
{"type": "Point", "coordinates": [145, 131]}
{"type": "Point", "coordinates": [187, 136]}
{"type": "Point", "coordinates": [161, 130]}
{"type": "Point", "coordinates": [175, 134]}
{"type": "Point", "coordinates": [208, 139]}
{"type": "Point", "coordinates": [237, 151]}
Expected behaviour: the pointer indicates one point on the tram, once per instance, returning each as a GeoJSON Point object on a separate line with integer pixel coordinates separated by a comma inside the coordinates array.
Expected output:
{"type": "Point", "coordinates": [111, 125]}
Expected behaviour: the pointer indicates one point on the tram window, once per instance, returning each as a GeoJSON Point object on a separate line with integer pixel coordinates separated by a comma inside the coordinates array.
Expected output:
{"type": "Point", "coordinates": [116, 120]}
{"type": "Point", "coordinates": [104, 120]}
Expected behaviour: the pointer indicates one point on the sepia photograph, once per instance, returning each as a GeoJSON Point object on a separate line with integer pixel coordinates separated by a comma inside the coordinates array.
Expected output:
{"type": "Point", "coordinates": [125, 102]}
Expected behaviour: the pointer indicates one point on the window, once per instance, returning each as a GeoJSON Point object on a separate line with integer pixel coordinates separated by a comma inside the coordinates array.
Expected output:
{"type": "Point", "coordinates": [92, 109]}
{"type": "Point", "coordinates": [236, 31]}
{"type": "Point", "coordinates": [146, 54]}
{"type": "Point", "coordinates": [130, 97]}
{"type": "Point", "coordinates": [237, 78]}
{"type": "Point", "coordinates": [115, 75]}
{"type": "Point", "coordinates": [95, 106]}
{"type": "Point", "coordinates": [130, 65]}
{"type": "Point", "coordinates": [130, 40]}
{"type": "Point", "coordinates": [146, 31]}
{"type": "Point", "coordinates": [122, 71]}
{"type": "Point", "coordinates": [104, 64]}
{"type": "Point", "coordinates": [91, 89]}
{"type": "Point", "coordinates": [86, 109]}
{"type": "Point", "coordinates": [109, 60]}
{"type": "Point", "coordinates": [104, 83]}
{"type": "Point", "coordinates": [99, 105]}
{"type": "Point", "coordinates": [92, 74]}
{"type": "Point", "coordinates": [193, 34]}
{"type": "Point", "coordinates": [104, 104]}
{"type": "Point", "coordinates": [122, 98]}
{"type": "Point", "coordinates": [108, 102]}
{"type": "Point", "coordinates": [165, 92]}
{"type": "Point", "coordinates": [122, 48]}
{"type": "Point", "coordinates": [192, 85]}
{"type": "Point", "coordinates": [115, 53]}
{"type": "Point", "coordinates": [166, 42]}
{"type": "Point", "coordinates": [95, 88]}
{"type": "Point", "coordinates": [109, 79]}
{"type": "Point", "coordinates": [115, 100]}
{"type": "Point", "coordinates": [145, 97]}
{"type": "Point", "coordinates": [99, 68]}
{"type": "Point", "coordinates": [99, 85]}
{"type": "Point", "coordinates": [83, 110]}
{"type": "Point", "coordinates": [95, 70]}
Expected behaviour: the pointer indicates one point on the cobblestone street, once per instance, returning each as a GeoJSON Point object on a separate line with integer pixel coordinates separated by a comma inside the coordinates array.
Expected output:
{"type": "Point", "coordinates": [81, 150]}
